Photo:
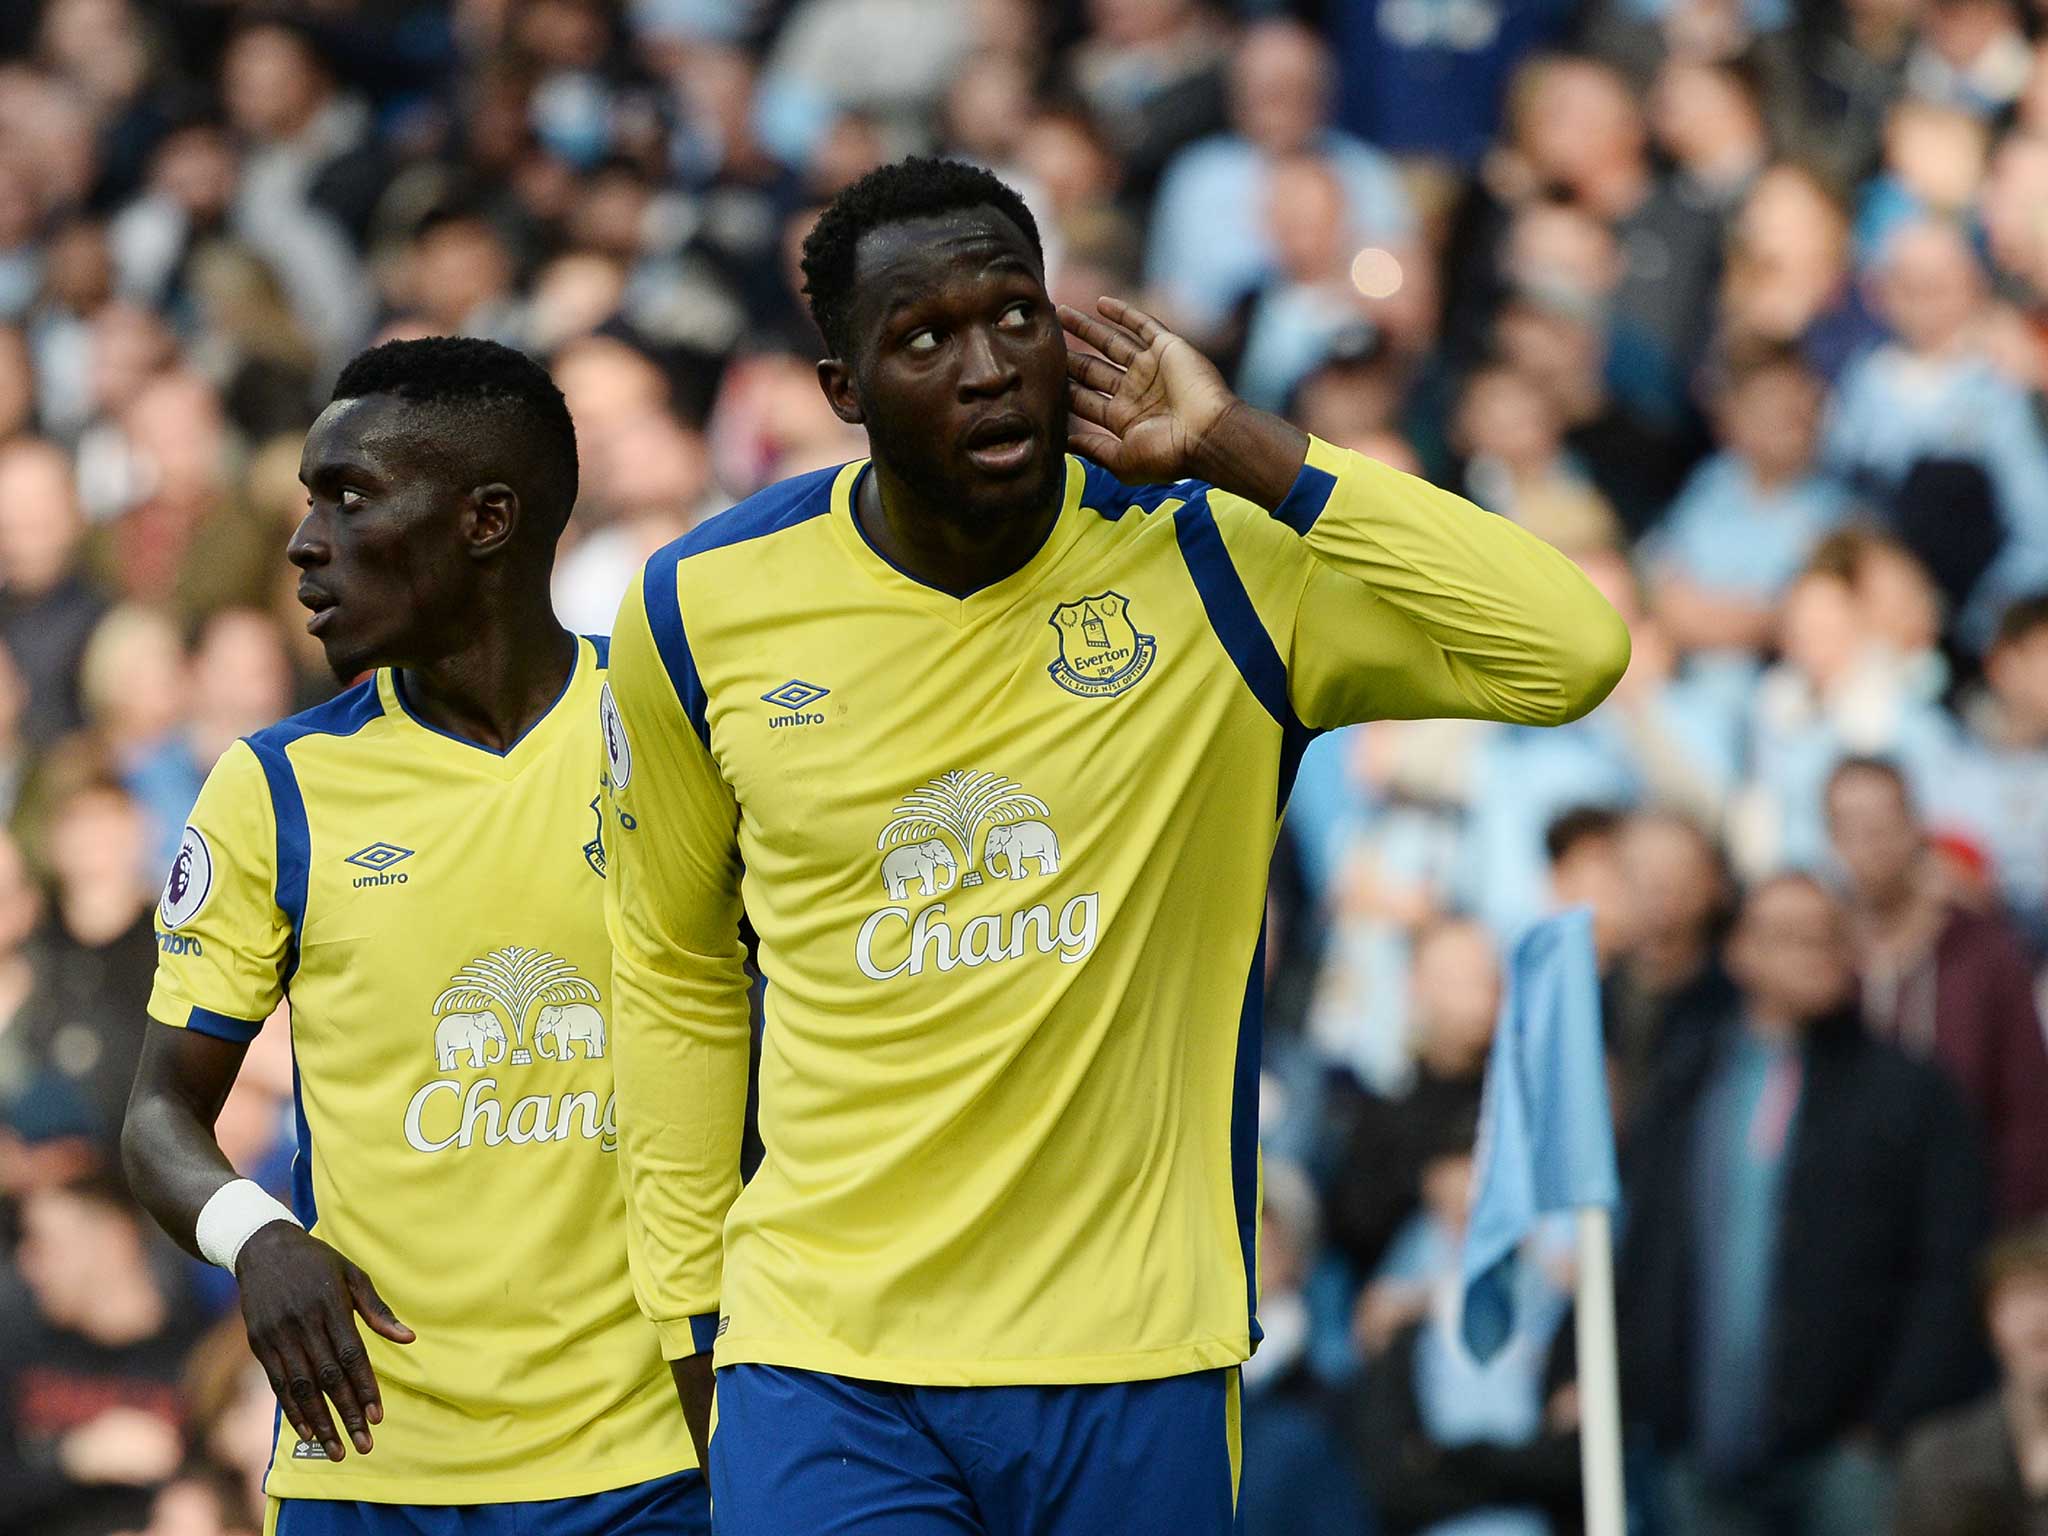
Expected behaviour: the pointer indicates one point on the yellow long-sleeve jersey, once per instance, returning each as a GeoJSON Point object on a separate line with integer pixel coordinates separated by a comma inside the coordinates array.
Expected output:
{"type": "Point", "coordinates": [1006, 855]}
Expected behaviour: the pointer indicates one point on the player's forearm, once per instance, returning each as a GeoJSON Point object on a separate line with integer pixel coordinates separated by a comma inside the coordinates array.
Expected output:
{"type": "Point", "coordinates": [168, 1149]}
{"type": "Point", "coordinates": [681, 1057]}
{"type": "Point", "coordinates": [1527, 637]}
{"type": "Point", "coordinates": [1253, 454]}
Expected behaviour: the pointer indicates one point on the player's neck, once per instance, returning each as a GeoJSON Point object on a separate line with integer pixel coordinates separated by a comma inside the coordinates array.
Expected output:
{"type": "Point", "coordinates": [495, 689]}
{"type": "Point", "coordinates": [937, 549]}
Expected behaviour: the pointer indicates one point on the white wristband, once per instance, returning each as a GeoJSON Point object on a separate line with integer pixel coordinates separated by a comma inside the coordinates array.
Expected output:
{"type": "Point", "coordinates": [232, 1215]}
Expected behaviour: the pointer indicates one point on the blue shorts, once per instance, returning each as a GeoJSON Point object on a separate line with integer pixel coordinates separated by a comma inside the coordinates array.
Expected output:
{"type": "Point", "coordinates": [802, 1452]}
{"type": "Point", "coordinates": [676, 1505]}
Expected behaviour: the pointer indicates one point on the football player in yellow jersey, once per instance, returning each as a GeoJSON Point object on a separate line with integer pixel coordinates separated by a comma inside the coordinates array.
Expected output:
{"type": "Point", "coordinates": [418, 868]}
{"type": "Point", "coordinates": [990, 742]}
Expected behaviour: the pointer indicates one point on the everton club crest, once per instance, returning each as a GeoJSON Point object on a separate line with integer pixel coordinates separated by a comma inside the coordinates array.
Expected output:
{"type": "Point", "coordinates": [1101, 651]}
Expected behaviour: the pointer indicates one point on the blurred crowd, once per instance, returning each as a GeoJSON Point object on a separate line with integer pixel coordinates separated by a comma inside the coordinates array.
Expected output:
{"type": "Point", "coordinates": [1742, 303]}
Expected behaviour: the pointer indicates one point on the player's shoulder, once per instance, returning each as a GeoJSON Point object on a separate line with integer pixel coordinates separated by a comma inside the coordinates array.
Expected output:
{"type": "Point", "coordinates": [765, 515]}
{"type": "Point", "coordinates": [341, 718]}
{"type": "Point", "coordinates": [1131, 507]}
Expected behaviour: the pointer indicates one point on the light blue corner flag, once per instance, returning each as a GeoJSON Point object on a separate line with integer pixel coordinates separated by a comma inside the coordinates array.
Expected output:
{"type": "Point", "coordinates": [1546, 1140]}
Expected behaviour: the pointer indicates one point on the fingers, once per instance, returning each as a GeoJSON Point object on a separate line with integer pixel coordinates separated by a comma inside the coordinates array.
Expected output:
{"type": "Point", "coordinates": [1133, 319]}
{"type": "Point", "coordinates": [278, 1374]}
{"type": "Point", "coordinates": [302, 1392]}
{"type": "Point", "coordinates": [347, 1380]}
{"type": "Point", "coordinates": [376, 1312]}
{"type": "Point", "coordinates": [1088, 405]}
{"type": "Point", "coordinates": [1098, 447]}
{"type": "Point", "coordinates": [1093, 372]}
{"type": "Point", "coordinates": [1113, 342]}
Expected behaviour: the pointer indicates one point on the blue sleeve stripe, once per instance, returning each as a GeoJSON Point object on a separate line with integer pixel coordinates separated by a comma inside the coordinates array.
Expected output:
{"type": "Point", "coordinates": [204, 1021]}
{"type": "Point", "coordinates": [1110, 498]}
{"type": "Point", "coordinates": [1230, 609]}
{"type": "Point", "coordinates": [1244, 1129]}
{"type": "Point", "coordinates": [602, 644]}
{"type": "Point", "coordinates": [665, 621]}
{"type": "Point", "coordinates": [294, 843]}
{"type": "Point", "coordinates": [1306, 498]}
{"type": "Point", "coordinates": [703, 1332]}
{"type": "Point", "coordinates": [303, 1204]}
{"type": "Point", "coordinates": [1237, 625]}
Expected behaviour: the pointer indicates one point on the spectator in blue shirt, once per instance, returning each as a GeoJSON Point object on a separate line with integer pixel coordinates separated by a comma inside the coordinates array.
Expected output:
{"type": "Point", "coordinates": [1210, 242]}
{"type": "Point", "coordinates": [1997, 785]}
{"type": "Point", "coordinates": [1750, 515]}
{"type": "Point", "coordinates": [1932, 393]}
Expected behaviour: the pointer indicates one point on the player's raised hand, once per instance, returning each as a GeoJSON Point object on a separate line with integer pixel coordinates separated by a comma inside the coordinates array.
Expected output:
{"type": "Point", "coordinates": [1152, 408]}
{"type": "Point", "coordinates": [300, 1299]}
{"type": "Point", "coordinates": [1143, 409]}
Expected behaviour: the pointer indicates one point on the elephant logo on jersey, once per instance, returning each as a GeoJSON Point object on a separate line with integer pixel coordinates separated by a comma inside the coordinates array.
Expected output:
{"type": "Point", "coordinates": [618, 752]}
{"type": "Point", "coordinates": [190, 882]}
{"type": "Point", "coordinates": [498, 993]}
{"type": "Point", "coordinates": [1101, 651]}
{"type": "Point", "coordinates": [488, 1013]}
{"type": "Point", "coordinates": [957, 831]}
{"type": "Point", "coordinates": [915, 844]}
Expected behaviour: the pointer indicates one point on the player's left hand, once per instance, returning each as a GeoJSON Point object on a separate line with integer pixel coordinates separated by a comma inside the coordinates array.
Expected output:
{"type": "Point", "coordinates": [1146, 407]}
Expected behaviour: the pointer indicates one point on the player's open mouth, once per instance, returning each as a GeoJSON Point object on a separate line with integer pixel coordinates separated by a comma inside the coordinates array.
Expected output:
{"type": "Point", "coordinates": [1002, 446]}
{"type": "Point", "coordinates": [323, 608]}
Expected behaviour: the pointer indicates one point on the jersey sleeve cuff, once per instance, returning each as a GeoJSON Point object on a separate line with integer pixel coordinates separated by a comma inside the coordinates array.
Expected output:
{"type": "Point", "coordinates": [1312, 488]}
{"type": "Point", "coordinates": [180, 1014]}
{"type": "Point", "coordinates": [683, 1337]}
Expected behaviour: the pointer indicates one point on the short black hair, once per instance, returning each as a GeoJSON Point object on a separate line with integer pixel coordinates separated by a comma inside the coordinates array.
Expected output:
{"type": "Point", "coordinates": [1880, 767]}
{"type": "Point", "coordinates": [2019, 621]}
{"type": "Point", "coordinates": [919, 187]}
{"type": "Point", "coordinates": [1580, 824]}
{"type": "Point", "coordinates": [474, 378]}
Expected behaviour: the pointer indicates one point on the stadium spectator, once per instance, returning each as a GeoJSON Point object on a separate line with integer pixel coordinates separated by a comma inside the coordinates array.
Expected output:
{"type": "Point", "coordinates": [1698, 228]}
{"type": "Point", "coordinates": [1455, 991]}
{"type": "Point", "coordinates": [1749, 517]}
{"type": "Point", "coordinates": [1211, 238]}
{"type": "Point", "coordinates": [1671, 990]}
{"type": "Point", "coordinates": [1941, 982]}
{"type": "Point", "coordinates": [1932, 393]}
{"type": "Point", "coordinates": [1298, 1479]}
{"type": "Point", "coordinates": [98, 945]}
{"type": "Point", "coordinates": [1794, 1279]}
{"type": "Point", "coordinates": [47, 608]}
{"type": "Point", "coordinates": [1985, 1468]}
{"type": "Point", "coordinates": [94, 1340]}
{"type": "Point", "coordinates": [1450, 1444]}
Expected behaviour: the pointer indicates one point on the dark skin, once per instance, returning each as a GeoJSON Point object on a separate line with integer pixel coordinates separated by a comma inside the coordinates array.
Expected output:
{"type": "Point", "coordinates": [959, 368]}
{"type": "Point", "coordinates": [424, 558]}
{"type": "Point", "coordinates": [970, 395]}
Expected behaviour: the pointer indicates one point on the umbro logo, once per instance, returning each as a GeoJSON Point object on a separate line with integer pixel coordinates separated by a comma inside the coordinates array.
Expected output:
{"type": "Point", "coordinates": [796, 696]}
{"type": "Point", "coordinates": [378, 859]}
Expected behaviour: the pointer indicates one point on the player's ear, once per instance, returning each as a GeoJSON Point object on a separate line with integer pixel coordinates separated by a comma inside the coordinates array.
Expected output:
{"type": "Point", "coordinates": [836, 379]}
{"type": "Point", "coordinates": [491, 518]}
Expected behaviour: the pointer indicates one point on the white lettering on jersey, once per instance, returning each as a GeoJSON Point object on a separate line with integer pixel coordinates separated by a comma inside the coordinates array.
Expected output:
{"type": "Point", "coordinates": [987, 939]}
{"type": "Point", "coordinates": [481, 1118]}
{"type": "Point", "coordinates": [511, 1006]}
{"type": "Point", "coordinates": [960, 830]}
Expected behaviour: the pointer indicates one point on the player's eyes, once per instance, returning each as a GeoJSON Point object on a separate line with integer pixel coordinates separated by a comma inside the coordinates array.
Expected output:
{"type": "Point", "coordinates": [1016, 316]}
{"type": "Point", "coordinates": [921, 341]}
{"type": "Point", "coordinates": [350, 498]}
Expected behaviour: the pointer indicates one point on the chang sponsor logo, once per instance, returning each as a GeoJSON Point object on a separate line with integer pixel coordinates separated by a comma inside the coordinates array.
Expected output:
{"type": "Point", "coordinates": [514, 1007]}
{"type": "Point", "coordinates": [961, 830]}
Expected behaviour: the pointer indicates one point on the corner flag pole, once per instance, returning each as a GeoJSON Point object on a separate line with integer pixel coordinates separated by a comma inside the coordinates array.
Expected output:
{"type": "Point", "coordinates": [1546, 1144]}
{"type": "Point", "coordinates": [1599, 1376]}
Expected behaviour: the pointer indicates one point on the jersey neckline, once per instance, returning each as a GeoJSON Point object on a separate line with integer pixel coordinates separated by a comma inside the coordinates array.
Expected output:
{"type": "Point", "coordinates": [983, 601]}
{"type": "Point", "coordinates": [531, 743]}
